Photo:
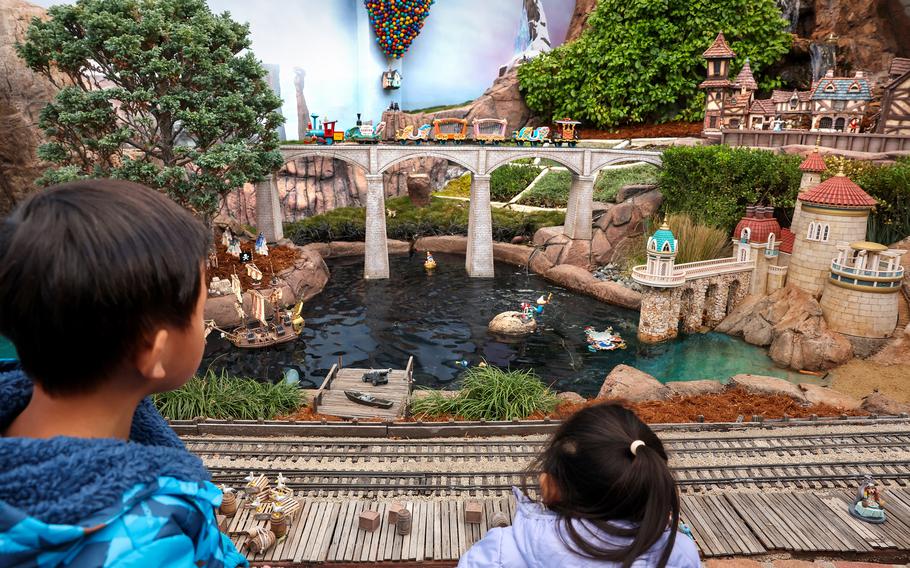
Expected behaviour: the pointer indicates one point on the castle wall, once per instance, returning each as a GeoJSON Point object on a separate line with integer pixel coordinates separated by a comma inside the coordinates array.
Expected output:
{"type": "Point", "coordinates": [860, 313]}
{"type": "Point", "coordinates": [760, 274]}
{"type": "Point", "coordinates": [659, 317]}
{"type": "Point", "coordinates": [810, 262]}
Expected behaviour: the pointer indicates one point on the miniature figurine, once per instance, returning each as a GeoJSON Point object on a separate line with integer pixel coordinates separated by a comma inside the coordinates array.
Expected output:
{"type": "Point", "coordinates": [603, 340]}
{"type": "Point", "coordinates": [262, 249]}
{"type": "Point", "coordinates": [377, 377]}
{"type": "Point", "coordinates": [233, 247]}
{"type": "Point", "coordinates": [367, 399]}
{"type": "Point", "coordinates": [227, 236]}
{"type": "Point", "coordinates": [868, 505]}
{"type": "Point", "coordinates": [430, 262]}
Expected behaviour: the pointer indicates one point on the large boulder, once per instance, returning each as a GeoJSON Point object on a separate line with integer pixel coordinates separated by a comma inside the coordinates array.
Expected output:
{"type": "Point", "coordinates": [695, 388]}
{"type": "Point", "coordinates": [419, 189]}
{"type": "Point", "coordinates": [23, 94]}
{"type": "Point", "coordinates": [570, 397]}
{"type": "Point", "coordinates": [628, 383]}
{"type": "Point", "coordinates": [760, 384]}
{"type": "Point", "coordinates": [512, 323]}
{"type": "Point", "coordinates": [580, 280]}
{"type": "Point", "coordinates": [822, 395]}
{"type": "Point", "coordinates": [791, 323]}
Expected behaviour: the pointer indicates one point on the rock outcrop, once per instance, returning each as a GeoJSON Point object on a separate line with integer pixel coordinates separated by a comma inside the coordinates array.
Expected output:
{"type": "Point", "coordinates": [615, 225]}
{"type": "Point", "coordinates": [512, 324]}
{"type": "Point", "coordinates": [816, 394]}
{"type": "Point", "coordinates": [877, 403]}
{"type": "Point", "coordinates": [760, 384]}
{"type": "Point", "coordinates": [23, 94]}
{"type": "Point", "coordinates": [695, 388]}
{"type": "Point", "coordinates": [628, 383]}
{"type": "Point", "coordinates": [791, 323]}
{"type": "Point", "coordinates": [306, 278]}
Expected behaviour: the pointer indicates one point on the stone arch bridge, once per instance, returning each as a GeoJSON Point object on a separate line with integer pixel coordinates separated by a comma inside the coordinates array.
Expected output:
{"type": "Point", "coordinates": [584, 163]}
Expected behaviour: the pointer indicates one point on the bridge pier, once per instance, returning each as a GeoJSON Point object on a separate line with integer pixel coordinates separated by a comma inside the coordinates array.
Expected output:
{"type": "Point", "coordinates": [479, 254]}
{"type": "Point", "coordinates": [579, 209]}
{"type": "Point", "coordinates": [376, 245]}
{"type": "Point", "coordinates": [268, 209]}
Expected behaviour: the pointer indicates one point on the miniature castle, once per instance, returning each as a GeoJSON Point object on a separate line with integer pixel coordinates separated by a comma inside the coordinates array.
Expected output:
{"type": "Point", "coordinates": [824, 253]}
{"type": "Point", "coordinates": [832, 104]}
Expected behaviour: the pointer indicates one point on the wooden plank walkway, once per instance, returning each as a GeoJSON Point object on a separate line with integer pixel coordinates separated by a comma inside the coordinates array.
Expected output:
{"type": "Point", "coordinates": [737, 523]}
{"type": "Point", "coordinates": [331, 400]}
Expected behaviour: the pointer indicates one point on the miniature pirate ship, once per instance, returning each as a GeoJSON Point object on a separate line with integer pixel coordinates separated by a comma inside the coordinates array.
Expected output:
{"type": "Point", "coordinates": [256, 331]}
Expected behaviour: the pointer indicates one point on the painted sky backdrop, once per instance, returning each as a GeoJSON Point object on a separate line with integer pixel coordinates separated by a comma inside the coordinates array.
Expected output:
{"type": "Point", "coordinates": [454, 59]}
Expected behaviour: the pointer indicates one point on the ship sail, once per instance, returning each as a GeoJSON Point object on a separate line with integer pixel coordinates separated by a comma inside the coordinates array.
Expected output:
{"type": "Point", "coordinates": [236, 289]}
{"type": "Point", "coordinates": [258, 305]}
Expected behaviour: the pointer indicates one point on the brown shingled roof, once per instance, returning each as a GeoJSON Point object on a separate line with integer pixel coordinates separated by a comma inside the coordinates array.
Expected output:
{"type": "Point", "coordinates": [762, 106]}
{"type": "Point", "coordinates": [719, 49]}
{"type": "Point", "coordinates": [899, 66]}
{"type": "Point", "coordinates": [715, 83]}
{"type": "Point", "coordinates": [838, 191]}
{"type": "Point", "coordinates": [745, 77]}
{"type": "Point", "coordinates": [785, 96]}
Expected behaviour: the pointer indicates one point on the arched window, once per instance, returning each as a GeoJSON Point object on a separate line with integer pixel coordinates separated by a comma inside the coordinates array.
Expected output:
{"type": "Point", "coordinates": [770, 245]}
{"type": "Point", "coordinates": [830, 88]}
{"type": "Point", "coordinates": [794, 102]}
{"type": "Point", "coordinates": [743, 254]}
{"type": "Point", "coordinates": [839, 123]}
{"type": "Point", "coordinates": [666, 247]}
{"type": "Point", "coordinates": [825, 122]}
{"type": "Point", "coordinates": [811, 232]}
{"type": "Point", "coordinates": [818, 232]}
{"type": "Point", "coordinates": [745, 235]}
{"type": "Point", "coordinates": [825, 233]}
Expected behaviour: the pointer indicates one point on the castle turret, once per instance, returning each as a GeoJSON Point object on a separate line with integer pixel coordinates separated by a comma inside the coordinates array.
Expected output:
{"type": "Point", "coordinates": [757, 238]}
{"type": "Point", "coordinates": [861, 294]}
{"type": "Point", "coordinates": [659, 277]}
{"type": "Point", "coordinates": [835, 210]}
{"type": "Point", "coordinates": [717, 85]}
{"type": "Point", "coordinates": [812, 168]}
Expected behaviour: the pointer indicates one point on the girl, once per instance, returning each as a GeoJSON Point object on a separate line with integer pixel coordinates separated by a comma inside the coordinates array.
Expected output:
{"type": "Point", "coordinates": [608, 500]}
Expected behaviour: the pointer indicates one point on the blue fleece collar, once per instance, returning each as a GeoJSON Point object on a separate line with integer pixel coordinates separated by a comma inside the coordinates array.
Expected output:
{"type": "Point", "coordinates": [64, 479]}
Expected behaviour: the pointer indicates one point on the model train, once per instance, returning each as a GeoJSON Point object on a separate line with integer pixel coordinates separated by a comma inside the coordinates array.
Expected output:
{"type": "Point", "coordinates": [484, 131]}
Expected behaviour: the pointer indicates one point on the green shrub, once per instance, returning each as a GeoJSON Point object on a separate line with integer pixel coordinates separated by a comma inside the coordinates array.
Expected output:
{"type": "Point", "coordinates": [226, 397]}
{"type": "Point", "coordinates": [508, 181]}
{"type": "Point", "coordinates": [714, 184]}
{"type": "Point", "coordinates": [641, 60]}
{"type": "Point", "coordinates": [441, 217]}
{"type": "Point", "coordinates": [458, 187]}
{"type": "Point", "coordinates": [491, 393]}
{"type": "Point", "coordinates": [551, 191]}
{"type": "Point", "coordinates": [609, 181]}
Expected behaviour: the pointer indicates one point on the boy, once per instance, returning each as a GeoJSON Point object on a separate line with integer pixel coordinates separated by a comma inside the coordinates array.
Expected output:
{"type": "Point", "coordinates": [102, 292]}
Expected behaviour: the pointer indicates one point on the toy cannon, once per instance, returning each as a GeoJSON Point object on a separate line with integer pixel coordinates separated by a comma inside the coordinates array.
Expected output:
{"type": "Point", "coordinates": [377, 377]}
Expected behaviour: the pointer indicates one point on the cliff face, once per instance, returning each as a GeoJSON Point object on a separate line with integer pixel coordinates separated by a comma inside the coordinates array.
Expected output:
{"type": "Point", "coordinates": [22, 96]}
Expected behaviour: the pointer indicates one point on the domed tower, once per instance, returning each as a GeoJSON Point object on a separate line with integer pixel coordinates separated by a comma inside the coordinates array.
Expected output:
{"type": "Point", "coordinates": [861, 294]}
{"type": "Point", "coordinates": [757, 238]}
{"type": "Point", "coordinates": [812, 168]}
{"type": "Point", "coordinates": [835, 210]}
{"type": "Point", "coordinates": [659, 314]}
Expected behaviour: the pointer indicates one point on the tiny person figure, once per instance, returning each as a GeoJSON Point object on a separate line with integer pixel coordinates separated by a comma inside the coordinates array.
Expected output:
{"type": "Point", "coordinates": [262, 249]}
{"type": "Point", "coordinates": [607, 499]}
{"type": "Point", "coordinates": [854, 125]}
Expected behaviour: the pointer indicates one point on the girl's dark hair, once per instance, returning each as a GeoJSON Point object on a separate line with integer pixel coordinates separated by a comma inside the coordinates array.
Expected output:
{"type": "Point", "coordinates": [599, 480]}
{"type": "Point", "coordinates": [87, 269]}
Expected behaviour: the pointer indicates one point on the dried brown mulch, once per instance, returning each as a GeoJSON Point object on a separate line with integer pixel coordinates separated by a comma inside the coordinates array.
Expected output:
{"type": "Point", "coordinates": [727, 406]}
{"type": "Point", "coordinates": [279, 258]}
{"type": "Point", "coordinates": [677, 129]}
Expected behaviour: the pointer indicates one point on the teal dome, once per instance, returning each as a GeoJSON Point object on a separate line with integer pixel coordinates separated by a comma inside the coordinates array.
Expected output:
{"type": "Point", "coordinates": [664, 238]}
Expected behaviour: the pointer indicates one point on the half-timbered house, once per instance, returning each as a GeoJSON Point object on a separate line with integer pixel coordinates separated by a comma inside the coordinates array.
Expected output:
{"type": "Point", "coordinates": [895, 114]}
{"type": "Point", "coordinates": [839, 103]}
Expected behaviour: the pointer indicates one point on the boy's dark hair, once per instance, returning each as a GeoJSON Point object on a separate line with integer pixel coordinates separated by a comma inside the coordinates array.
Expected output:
{"type": "Point", "coordinates": [600, 480]}
{"type": "Point", "coordinates": [87, 270]}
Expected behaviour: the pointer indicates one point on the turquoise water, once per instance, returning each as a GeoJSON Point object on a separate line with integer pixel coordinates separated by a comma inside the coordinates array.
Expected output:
{"type": "Point", "coordinates": [7, 351]}
{"type": "Point", "coordinates": [441, 319]}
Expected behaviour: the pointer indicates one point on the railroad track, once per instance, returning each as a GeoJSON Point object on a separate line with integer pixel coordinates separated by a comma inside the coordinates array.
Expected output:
{"type": "Point", "coordinates": [523, 450]}
{"type": "Point", "coordinates": [813, 475]}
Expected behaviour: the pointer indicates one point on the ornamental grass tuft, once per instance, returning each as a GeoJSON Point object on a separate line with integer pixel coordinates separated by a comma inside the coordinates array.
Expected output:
{"type": "Point", "coordinates": [491, 393]}
{"type": "Point", "coordinates": [222, 396]}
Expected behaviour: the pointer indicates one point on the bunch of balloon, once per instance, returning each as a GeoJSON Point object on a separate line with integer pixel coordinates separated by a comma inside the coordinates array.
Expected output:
{"type": "Point", "coordinates": [397, 22]}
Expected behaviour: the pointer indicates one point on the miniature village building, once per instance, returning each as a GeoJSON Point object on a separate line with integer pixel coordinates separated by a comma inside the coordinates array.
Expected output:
{"type": "Point", "coordinates": [839, 103]}
{"type": "Point", "coordinates": [717, 85]}
{"type": "Point", "coordinates": [824, 253]}
{"type": "Point", "coordinates": [895, 113]}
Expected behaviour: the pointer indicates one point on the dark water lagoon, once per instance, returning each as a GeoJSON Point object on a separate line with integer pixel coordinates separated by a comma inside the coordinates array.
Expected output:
{"type": "Point", "coordinates": [441, 319]}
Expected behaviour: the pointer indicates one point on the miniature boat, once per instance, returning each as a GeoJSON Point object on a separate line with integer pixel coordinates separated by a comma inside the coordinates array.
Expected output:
{"type": "Point", "coordinates": [367, 399]}
{"type": "Point", "coordinates": [430, 263]}
{"type": "Point", "coordinates": [603, 340]}
{"type": "Point", "coordinates": [257, 333]}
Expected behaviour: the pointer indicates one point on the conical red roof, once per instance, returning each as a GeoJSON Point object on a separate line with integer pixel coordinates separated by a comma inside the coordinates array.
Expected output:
{"type": "Point", "coordinates": [745, 77]}
{"type": "Point", "coordinates": [813, 163]}
{"type": "Point", "coordinates": [838, 191]}
{"type": "Point", "coordinates": [719, 49]}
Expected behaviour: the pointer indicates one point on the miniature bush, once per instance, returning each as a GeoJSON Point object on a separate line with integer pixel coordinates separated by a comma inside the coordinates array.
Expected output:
{"type": "Point", "coordinates": [458, 187]}
{"type": "Point", "coordinates": [641, 61]}
{"type": "Point", "coordinates": [226, 397]}
{"type": "Point", "coordinates": [698, 241]}
{"type": "Point", "coordinates": [441, 217]}
{"type": "Point", "coordinates": [491, 393]}
{"type": "Point", "coordinates": [508, 181]}
{"type": "Point", "coordinates": [714, 184]}
{"type": "Point", "coordinates": [609, 181]}
{"type": "Point", "coordinates": [551, 191]}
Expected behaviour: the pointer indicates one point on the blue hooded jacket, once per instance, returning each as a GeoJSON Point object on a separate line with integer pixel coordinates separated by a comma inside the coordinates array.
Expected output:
{"type": "Point", "coordinates": [104, 502]}
{"type": "Point", "coordinates": [537, 539]}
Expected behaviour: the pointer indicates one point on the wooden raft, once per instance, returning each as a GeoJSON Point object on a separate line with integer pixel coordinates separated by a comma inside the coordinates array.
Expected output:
{"type": "Point", "coordinates": [330, 398]}
{"type": "Point", "coordinates": [739, 523]}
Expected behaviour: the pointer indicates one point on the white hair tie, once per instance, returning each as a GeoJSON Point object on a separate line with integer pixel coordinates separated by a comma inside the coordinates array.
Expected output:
{"type": "Point", "coordinates": [634, 447]}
